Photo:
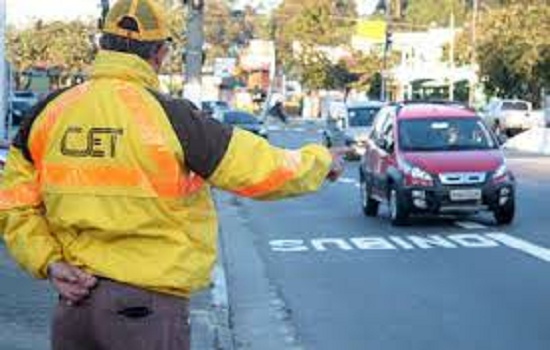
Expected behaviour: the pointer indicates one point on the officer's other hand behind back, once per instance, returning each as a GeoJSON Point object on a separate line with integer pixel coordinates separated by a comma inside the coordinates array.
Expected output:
{"type": "Point", "coordinates": [72, 283]}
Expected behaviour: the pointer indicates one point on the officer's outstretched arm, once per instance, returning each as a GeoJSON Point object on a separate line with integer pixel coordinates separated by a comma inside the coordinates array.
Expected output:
{"type": "Point", "coordinates": [251, 167]}
{"type": "Point", "coordinates": [22, 223]}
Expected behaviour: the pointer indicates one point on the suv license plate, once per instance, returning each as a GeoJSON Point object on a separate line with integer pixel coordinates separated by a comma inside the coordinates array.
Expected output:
{"type": "Point", "coordinates": [465, 195]}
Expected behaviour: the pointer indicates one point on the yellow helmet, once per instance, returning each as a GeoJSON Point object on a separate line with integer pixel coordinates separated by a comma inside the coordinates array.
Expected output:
{"type": "Point", "coordinates": [149, 16]}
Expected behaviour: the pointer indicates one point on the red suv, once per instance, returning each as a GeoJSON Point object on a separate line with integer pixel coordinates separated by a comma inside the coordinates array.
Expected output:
{"type": "Point", "coordinates": [425, 158]}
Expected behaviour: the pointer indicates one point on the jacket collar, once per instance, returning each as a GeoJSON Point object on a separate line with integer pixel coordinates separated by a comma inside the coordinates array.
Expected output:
{"type": "Point", "coordinates": [128, 67]}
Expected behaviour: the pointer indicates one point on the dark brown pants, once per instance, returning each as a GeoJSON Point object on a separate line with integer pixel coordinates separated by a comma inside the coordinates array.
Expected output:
{"type": "Point", "coordinates": [120, 317]}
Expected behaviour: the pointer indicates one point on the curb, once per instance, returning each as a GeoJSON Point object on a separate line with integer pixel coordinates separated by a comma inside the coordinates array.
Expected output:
{"type": "Point", "coordinates": [210, 314]}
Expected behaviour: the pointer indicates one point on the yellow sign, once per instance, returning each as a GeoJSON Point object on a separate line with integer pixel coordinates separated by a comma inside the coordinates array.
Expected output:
{"type": "Point", "coordinates": [372, 30]}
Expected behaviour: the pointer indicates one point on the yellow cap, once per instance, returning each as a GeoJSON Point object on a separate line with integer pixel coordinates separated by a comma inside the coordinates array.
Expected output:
{"type": "Point", "coordinates": [149, 16]}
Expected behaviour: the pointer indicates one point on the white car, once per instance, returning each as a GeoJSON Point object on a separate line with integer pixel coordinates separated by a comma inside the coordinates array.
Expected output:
{"type": "Point", "coordinates": [352, 126]}
{"type": "Point", "coordinates": [510, 117]}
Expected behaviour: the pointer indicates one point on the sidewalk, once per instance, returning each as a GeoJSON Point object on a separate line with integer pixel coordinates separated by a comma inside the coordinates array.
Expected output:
{"type": "Point", "coordinates": [210, 327]}
{"type": "Point", "coordinates": [534, 141]}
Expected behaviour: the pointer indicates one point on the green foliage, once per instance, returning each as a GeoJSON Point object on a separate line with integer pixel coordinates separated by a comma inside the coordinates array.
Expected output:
{"type": "Point", "coordinates": [514, 50]}
{"type": "Point", "coordinates": [314, 23]}
{"type": "Point", "coordinates": [68, 46]}
{"type": "Point", "coordinates": [428, 12]}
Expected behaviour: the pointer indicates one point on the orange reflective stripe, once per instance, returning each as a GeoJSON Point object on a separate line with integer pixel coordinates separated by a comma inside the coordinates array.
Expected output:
{"type": "Point", "coordinates": [273, 182]}
{"type": "Point", "coordinates": [169, 181]}
{"type": "Point", "coordinates": [39, 138]}
{"type": "Point", "coordinates": [86, 176]}
{"type": "Point", "coordinates": [26, 194]}
{"type": "Point", "coordinates": [111, 175]}
{"type": "Point", "coordinates": [291, 165]}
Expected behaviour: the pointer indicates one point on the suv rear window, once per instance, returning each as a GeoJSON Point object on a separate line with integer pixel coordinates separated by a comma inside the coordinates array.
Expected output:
{"type": "Point", "coordinates": [444, 134]}
{"type": "Point", "coordinates": [515, 106]}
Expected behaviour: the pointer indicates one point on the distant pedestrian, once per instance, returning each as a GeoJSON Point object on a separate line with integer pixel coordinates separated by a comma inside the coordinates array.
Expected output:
{"type": "Point", "coordinates": [106, 192]}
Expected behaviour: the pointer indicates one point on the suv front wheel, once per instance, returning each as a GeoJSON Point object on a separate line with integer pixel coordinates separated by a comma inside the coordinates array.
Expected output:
{"type": "Point", "coordinates": [399, 214]}
{"type": "Point", "coordinates": [505, 215]}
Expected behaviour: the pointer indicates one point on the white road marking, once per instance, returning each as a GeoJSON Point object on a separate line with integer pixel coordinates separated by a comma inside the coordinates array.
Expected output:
{"type": "Point", "coordinates": [470, 225]}
{"type": "Point", "coordinates": [521, 245]}
{"type": "Point", "coordinates": [431, 241]}
{"type": "Point", "coordinates": [412, 243]}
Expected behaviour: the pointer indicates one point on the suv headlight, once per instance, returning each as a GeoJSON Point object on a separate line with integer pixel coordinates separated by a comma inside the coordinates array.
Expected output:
{"type": "Point", "coordinates": [501, 172]}
{"type": "Point", "coordinates": [420, 174]}
{"type": "Point", "coordinates": [415, 176]}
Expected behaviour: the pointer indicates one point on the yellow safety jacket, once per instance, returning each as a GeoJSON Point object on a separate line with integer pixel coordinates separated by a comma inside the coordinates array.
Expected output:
{"type": "Point", "coordinates": [114, 177]}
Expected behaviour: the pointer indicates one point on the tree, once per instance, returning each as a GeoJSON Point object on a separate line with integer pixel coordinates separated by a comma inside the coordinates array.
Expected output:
{"type": "Point", "coordinates": [428, 12]}
{"type": "Point", "coordinates": [312, 23]}
{"type": "Point", "coordinates": [514, 50]}
{"type": "Point", "coordinates": [65, 45]}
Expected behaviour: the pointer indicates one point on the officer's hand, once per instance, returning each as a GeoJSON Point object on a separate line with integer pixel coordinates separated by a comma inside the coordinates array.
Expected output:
{"type": "Point", "coordinates": [72, 283]}
{"type": "Point", "coordinates": [337, 167]}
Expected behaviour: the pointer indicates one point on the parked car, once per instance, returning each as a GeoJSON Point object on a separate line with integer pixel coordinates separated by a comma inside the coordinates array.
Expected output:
{"type": "Point", "coordinates": [510, 117]}
{"type": "Point", "coordinates": [3, 156]}
{"type": "Point", "coordinates": [351, 126]}
{"type": "Point", "coordinates": [20, 102]}
{"type": "Point", "coordinates": [434, 159]}
{"type": "Point", "coordinates": [246, 121]}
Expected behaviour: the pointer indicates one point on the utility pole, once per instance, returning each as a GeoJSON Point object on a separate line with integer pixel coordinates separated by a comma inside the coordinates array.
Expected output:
{"type": "Point", "coordinates": [387, 44]}
{"type": "Point", "coordinates": [194, 51]}
{"type": "Point", "coordinates": [5, 83]}
{"type": "Point", "coordinates": [452, 58]}
{"type": "Point", "coordinates": [105, 6]}
{"type": "Point", "coordinates": [473, 62]}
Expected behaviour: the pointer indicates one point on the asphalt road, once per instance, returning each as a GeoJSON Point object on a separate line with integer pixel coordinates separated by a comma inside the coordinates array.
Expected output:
{"type": "Point", "coordinates": [313, 273]}
{"type": "Point", "coordinates": [355, 283]}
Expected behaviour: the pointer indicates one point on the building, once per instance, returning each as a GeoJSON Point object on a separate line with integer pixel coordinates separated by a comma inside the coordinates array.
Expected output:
{"type": "Point", "coordinates": [425, 69]}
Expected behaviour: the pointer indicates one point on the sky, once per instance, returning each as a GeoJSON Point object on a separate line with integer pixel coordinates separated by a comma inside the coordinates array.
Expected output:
{"type": "Point", "coordinates": [20, 12]}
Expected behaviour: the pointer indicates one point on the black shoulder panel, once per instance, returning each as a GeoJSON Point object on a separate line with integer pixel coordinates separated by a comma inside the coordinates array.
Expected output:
{"type": "Point", "coordinates": [21, 140]}
{"type": "Point", "coordinates": [204, 140]}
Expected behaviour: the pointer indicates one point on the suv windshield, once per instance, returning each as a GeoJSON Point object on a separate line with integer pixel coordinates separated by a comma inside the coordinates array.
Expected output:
{"type": "Point", "coordinates": [444, 134]}
{"type": "Point", "coordinates": [362, 116]}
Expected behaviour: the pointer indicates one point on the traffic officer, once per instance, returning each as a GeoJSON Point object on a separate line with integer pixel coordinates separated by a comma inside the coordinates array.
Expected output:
{"type": "Point", "coordinates": [106, 192]}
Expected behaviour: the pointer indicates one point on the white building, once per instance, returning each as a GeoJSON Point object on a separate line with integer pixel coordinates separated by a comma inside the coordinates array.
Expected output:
{"type": "Point", "coordinates": [425, 66]}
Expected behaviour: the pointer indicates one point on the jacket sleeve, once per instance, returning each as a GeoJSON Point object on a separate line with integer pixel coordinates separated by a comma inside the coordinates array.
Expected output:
{"type": "Point", "coordinates": [241, 162]}
{"type": "Point", "coordinates": [251, 167]}
{"type": "Point", "coordinates": [23, 225]}
{"type": "Point", "coordinates": [22, 222]}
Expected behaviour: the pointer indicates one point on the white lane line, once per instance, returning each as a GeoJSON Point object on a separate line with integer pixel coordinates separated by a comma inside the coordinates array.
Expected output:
{"type": "Point", "coordinates": [470, 225]}
{"type": "Point", "coordinates": [347, 180]}
{"type": "Point", "coordinates": [522, 245]}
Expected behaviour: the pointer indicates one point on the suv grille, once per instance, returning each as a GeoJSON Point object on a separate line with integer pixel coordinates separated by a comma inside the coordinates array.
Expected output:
{"type": "Point", "coordinates": [462, 178]}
